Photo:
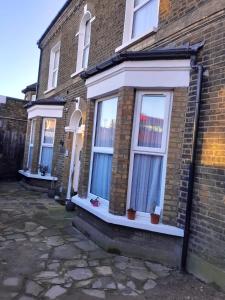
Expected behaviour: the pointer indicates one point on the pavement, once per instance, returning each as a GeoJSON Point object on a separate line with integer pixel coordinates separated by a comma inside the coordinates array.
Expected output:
{"type": "Point", "coordinates": [43, 257]}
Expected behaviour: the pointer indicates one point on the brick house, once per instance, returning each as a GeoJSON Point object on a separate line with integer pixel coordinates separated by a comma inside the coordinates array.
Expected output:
{"type": "Point", "coordinates": [132, 112]}
{"type": "Point", "coordinates": [30, 92]}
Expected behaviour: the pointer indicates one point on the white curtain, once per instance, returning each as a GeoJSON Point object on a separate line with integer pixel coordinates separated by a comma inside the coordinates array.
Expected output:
{"type": "Point", "coordinates": [146, 182]}
{"type": "Point", "coordinates": [30, 157]}
{"type": "Point", "coordinates": [46, 158]}
{"type": "Point", "coordinates": [101, 175]}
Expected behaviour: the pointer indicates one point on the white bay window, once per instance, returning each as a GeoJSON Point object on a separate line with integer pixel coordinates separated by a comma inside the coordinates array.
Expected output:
{"type": "Point", "coordinates": [47, 143]}
{"type": "Point", "coordinates": [31, 145]}
{"type": "Point", "coordinates": [102, 148]}
{"type": "Point", "coordinates": [149, 151]}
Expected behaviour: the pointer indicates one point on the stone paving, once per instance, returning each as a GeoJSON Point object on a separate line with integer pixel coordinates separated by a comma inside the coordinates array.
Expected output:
{"type": "Point", "coordinates": [43, 257]}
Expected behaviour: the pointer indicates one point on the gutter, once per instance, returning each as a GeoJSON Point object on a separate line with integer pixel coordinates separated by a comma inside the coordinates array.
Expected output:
{"type": "Point", "coordinates": [192, 167]}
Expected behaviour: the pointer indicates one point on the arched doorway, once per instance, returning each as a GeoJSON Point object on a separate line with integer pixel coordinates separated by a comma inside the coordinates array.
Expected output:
{"type": "Point", "coordinates": [76, 127]}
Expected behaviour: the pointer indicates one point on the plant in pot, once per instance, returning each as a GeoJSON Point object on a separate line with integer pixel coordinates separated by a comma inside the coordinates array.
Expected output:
{"type": "Point", "coordinates": [131, 213]}
{"type": "Point", "coordinates": [43, 169]}
{"type": "Point", "coordinates": [155, 216]}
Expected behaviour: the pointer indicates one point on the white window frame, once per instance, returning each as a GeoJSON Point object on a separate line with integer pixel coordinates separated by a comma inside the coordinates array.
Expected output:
{"type": "Point", "coordinates": [33, 97]}
{"type": "Point", "coordinates": [48, 145]}
{"type": "Point", "coordinates": [163, 151]}
{"type": "Point", "coordinates": [94, 149]}
{"type": "Point", "coordinates": [128, 23]}
{"type": "Point", "coordinates": [53, 70]}
{"type": "Point", "coordinates": [81, 41]}
{"type": "Point", "coordinates": [31, 145]}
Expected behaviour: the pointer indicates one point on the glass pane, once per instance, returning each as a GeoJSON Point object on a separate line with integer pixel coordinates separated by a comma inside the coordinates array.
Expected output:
{"type": "Point", "coordinates": [138, 2]}
{"type": "Point", "coordinates": [101, 175]}
{"type": "Point", "coordinates": [46, 158]}
{"type": "Point", "coordinates": [145, 18]}
{"type": "Point", "coordinates": [32, 134]}
{"type": "Point", "coordinates": [30, 157]}
{"type": "Point", "coordinates": [87, 33]}
{"type": "Point", "coordinates": [54, 78]}
{"type": "Point", "coordinates": [151, 121]}
{"type": "Point", "coordinates": [146, 182]}
{"type": "Point", "coordinates": [106, 123]}
{"type": "Point", "coordinates": [85, 57]}
{"type": "Point", "coordinates": [49, 131]}
{"type": "Point", "coordinates": [56, 60]}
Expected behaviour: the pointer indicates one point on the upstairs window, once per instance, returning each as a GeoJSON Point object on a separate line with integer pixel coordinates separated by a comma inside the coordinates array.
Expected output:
{"type": "Point", "coordinates": [84, 42]}
{"type": "Point", "coordinates": [54, 67]}
{"type": "Point", "coordinates": [141, 18]}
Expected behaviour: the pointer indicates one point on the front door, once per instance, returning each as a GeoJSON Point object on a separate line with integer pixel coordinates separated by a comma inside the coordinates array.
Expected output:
{"type": "Point", "coordinates": [76, 172]}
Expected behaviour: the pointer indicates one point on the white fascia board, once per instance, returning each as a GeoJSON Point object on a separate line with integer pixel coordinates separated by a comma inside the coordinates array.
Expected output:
{"type": "Point", "coordinates": [139, 223]}
{"type": "Point", "coordinates": [49, 111]}
{"type": "Point", "coordinates": [143, 74]}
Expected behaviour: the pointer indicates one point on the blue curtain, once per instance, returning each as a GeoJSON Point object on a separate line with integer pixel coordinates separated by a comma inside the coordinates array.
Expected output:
{"type": "Point", "coordinates": [146, 182]}
{"type": "Point", "coordinates": [46, 158]}
{"type": "Point", "coordinates": [101, 175]}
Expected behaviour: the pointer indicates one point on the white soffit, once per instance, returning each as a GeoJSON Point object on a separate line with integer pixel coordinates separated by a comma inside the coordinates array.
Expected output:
{"type": "Point", "coordinates": [140, 74]}
{"type": "Point", "coordinates": [50, 111]}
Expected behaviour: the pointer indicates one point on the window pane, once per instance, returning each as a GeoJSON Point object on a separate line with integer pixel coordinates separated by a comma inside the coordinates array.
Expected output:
{"type": "Point", "coordinates": [146, 182]}
{"type": "Point", "coordinates": [85, 57]}
{"type": "Point", "coordinates": [56, 60]}
{"type": "Point", "coordinates": [101, 175]}
{"type": "Point", "coordinates": [54, 78]}
{"type": "Point", "coordinates": [151, 121]}
{"type": "Point", "coordinates": [49, 131]}
{"type": "Point", "coordinates": [138, 2]}
{"type": "Point", "coordinates": [46, 158]}
{"type": "Point", "coordinates": [30, 156]}
{"type": "Point", "coordinates": [32, 134]}
{"type": "Point", "coordinates": [106, 123]}
{"type": "Point", "coordinates": [145, 18]}
{"type": "Point", "coordinates": [87, 33]}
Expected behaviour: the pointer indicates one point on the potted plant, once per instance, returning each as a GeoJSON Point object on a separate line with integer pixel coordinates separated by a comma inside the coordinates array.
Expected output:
{"type": "Point", "coordinates": [43, 169]}
{"type": "Point", "coordinates": [131, 213]}
{"type": "Point", "coordinates": [155, 216]}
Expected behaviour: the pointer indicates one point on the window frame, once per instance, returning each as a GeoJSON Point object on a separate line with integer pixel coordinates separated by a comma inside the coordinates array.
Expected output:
{"type": "Point", "coordinates": [129, 20]}
{"type": "Point", "coordinates": [135, 149]}
{"type": "Point", "coordinates": [31, 145]}
{"type": "Point", "coordinates": [86, 45]}
{"type": "Point", "coordinates": [94, 149]}
{"type": "Point", "coordinates": [53, 70]}
{"type": "Point", "coordinates": [47, 145]}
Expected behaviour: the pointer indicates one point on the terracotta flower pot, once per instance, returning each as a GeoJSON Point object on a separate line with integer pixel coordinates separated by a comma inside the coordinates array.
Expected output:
{"type": "Point", "coordinates": [155, 219]}
{"type": "Point", "coordinates": [131, 214]}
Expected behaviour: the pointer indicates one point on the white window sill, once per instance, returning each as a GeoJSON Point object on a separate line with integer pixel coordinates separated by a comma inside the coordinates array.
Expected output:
{"type": "Point", "coordinates": [49, 90]}
{"type": "Point", "coordinates": [140, 222]}
{"type": "Point", "coordinates": [37, 176]}
{"type": "Point", "coordinates": [76, 73]}
{"type": "Point", "coordinates": [132, 41]}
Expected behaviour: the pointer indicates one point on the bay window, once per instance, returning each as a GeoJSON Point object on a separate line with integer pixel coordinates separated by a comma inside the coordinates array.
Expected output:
{"type": "Point", "coordinates": [102, 148]}
{"type": "Point", "coordinates": [47, 143]}
{"type": "Point", "coordinates": [149, 151]}
{"type": "Point", "coordinates": [31, 145]}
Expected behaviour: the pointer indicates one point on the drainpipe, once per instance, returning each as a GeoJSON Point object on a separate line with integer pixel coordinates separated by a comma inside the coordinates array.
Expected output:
{"type": "Point", "coordinates": [192, 167]}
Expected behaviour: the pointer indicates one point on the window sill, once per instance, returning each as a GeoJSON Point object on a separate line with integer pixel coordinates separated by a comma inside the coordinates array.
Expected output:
{"type": "Point", "coordinates": [37, 176]}
{"type": "Point", "coordinates": [49, 90]}
{"type": "Point", "coordinates": [140, 222]}
{"type": "Point", "coordinates": [76, 73]}
{"type": "Point", "coordinates": [133, 41]}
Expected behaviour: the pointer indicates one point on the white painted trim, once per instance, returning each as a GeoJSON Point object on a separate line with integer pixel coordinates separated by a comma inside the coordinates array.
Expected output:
{"type": "Point", "coordinates": [77, 73]}
{"type": "Point", "coordinates": [37, 176]}
{"type": "Point", "coordinates": [49, 90]}
{"type": "Point", "coordinates": [51, 111]}
{"type": "Point", "coordinates": [140, 74]}
{"type": "Point", "coordinates": [31, 145]}
{"type": "Point", "coordinates": [150, 151]}
{"type": "Point", "coordinates": [54, 49]}
{"type": "Point", "coordinates": [140, 222]}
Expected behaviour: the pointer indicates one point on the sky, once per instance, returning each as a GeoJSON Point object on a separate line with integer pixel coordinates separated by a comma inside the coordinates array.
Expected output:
{"type": "Point", "coordinates": [22, 22]}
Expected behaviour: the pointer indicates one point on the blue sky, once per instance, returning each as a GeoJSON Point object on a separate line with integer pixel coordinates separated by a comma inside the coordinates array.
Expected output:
{"type": "Point", "coordinates": [22, 22]}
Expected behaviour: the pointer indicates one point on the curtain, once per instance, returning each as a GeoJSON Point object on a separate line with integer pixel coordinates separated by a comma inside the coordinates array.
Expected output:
{"type": "Point", "coordinates": [145, 18]}
{"type": "Point", "coordinates": [101, 175]}
{"type": "Point", "coordinates": [146, 182]}
{"type": "Point", "coordinates": [30, 156]}
{"type": "Point", "coordinates": [46, 158]}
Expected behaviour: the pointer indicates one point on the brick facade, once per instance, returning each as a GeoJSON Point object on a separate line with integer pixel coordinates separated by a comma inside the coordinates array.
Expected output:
{"type": "Point", "coordinates": [180, 22]}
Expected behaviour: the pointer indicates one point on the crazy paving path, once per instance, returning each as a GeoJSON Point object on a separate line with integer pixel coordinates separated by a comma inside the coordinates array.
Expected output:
{"type": "Point", "coordinates": [43, 257]}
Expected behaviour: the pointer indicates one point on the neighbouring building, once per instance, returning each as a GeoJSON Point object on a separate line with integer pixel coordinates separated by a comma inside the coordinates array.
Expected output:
{"type": "Point", "coordinates": [30, 92]}
{"type": "Point", "coordinates": [130, 110]}
{"type": "Point", "coordinates": [13, 124]}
